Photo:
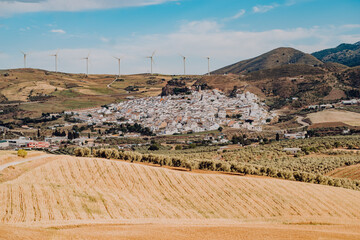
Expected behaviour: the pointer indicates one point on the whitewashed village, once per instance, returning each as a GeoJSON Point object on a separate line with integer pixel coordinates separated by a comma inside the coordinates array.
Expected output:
{"type": "Point", "coordinates": [176, 114]}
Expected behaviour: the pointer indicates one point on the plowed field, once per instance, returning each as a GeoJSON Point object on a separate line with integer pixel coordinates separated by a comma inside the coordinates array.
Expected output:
{"type": "Point", "coordinates": [352, 172]}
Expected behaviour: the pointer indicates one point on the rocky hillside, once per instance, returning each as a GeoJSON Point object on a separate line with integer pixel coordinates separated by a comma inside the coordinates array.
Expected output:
{"type": "Point", "coordinates": [347, 54]}
{"type": "Point", "coordinates": [275, 58]}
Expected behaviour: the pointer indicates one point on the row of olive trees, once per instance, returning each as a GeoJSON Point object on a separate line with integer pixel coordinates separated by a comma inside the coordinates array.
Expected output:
{"type": "Point", "coordinates": [234, 166]}
{"type": "Point", "coordinates": [297, 176]}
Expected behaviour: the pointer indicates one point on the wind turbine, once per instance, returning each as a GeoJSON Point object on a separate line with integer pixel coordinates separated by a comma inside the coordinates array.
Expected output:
{"type": "Point", "coordinates": [56, 60]}
{"type": "Point", "coordinates": [208, 58]}
{"type": "Point", "coordinates": [119, 61]}
{"type": "Point", "coordinates": [25, 55]}
{"type": "Point", "coordinates": [87, 63]}
{"type": "Point", "coordinates": [151, 61]}
{"type": "Point", "coordinates": [184, 59]}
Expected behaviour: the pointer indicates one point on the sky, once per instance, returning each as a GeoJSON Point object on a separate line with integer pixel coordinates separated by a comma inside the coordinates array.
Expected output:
{"type": "Point", "coordinates": [227, 31]}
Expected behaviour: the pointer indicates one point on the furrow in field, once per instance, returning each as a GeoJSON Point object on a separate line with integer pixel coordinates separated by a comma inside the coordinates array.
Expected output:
{"type": "Point", "coordinates": [97, 189]}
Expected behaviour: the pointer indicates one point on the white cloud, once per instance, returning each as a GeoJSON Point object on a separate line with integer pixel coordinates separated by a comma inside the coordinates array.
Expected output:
{"type": "Point", "coordinates": [351, 26]}
{"type": "Point", "coordinates": [223, 46]}
{"type": "Point", "coordinates": [104, 39]}
{"type": "Point", "coordinates": [263, 8]}
{"type": "Point", "coordinates": [60, 31]}
{"type": "Point", "coordinates": [200, 27]}
{"type": "Point", "coordinates": [9, 7]}
{"type": "Point", "coordinates": [236, 16]}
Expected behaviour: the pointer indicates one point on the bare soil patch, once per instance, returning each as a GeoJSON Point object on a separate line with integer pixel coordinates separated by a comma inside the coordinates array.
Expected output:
{"type": "Point", "coordinates": [352, 172]}
{"type": "Point", "coordinates": [332, 116]}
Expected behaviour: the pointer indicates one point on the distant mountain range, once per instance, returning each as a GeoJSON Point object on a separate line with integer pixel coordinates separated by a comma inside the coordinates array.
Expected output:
{"type": "Point", "coordinates": [346, 54]}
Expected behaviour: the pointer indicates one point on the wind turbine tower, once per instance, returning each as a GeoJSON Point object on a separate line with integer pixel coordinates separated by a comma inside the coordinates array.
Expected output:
{"type": "Point", "coordinates": [25, 55]}
{"type": "Point", "coordinates": [119, 62]}
{"type": "Point", "coordinates": [56, 60]}
{"type": "Point", "coordinates": [151, 61]}
{"type": "Point", "coordinates": [208, 58]}
{"type": "Point", "coordinates": [87, 63]}
{"type": "Point", "coordinates": [184, 59]}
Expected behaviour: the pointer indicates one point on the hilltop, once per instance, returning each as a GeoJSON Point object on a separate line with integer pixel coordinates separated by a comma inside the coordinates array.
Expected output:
{"type": "Point", "coordinates": [286, 73]}
{"type": "Point", "coordinates": [346, 54]}
{"type": "Point", "coordinates": [275, 58]}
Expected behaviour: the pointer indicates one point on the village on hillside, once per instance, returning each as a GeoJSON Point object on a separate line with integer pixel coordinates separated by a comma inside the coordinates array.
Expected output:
{"type": "Point", "coordinates": [198, 112]}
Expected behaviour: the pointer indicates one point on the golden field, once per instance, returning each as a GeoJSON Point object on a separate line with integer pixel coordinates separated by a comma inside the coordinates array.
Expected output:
{"type": "Point", "coordinates": [63, 197]}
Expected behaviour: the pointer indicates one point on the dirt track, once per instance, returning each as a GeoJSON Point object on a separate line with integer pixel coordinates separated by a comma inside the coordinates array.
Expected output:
{"type": "Point", "coordinates": [184, 232]}
{"type": "Point", "coordinates": [14, 163]}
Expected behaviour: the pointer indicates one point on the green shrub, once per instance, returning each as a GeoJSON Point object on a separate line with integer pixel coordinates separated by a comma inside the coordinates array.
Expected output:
{"type": "Point", "coordinates": [22, 153]}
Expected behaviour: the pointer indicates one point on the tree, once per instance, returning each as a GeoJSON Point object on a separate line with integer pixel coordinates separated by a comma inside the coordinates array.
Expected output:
{"type": "Point", "coordinates": [79, 152]}
{"type": "Point", "coordinates": [70, 136]}
{"type": "Point", "coordinates": [154, 147]}
{"type": "Point", "coordinates": [220, 129]}
{"type": "Point", "coordinates": [277, 136]}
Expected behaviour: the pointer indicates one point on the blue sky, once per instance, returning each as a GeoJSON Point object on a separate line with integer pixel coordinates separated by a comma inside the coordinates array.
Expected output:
{"type": "Point", "coordinates": [225, 30]}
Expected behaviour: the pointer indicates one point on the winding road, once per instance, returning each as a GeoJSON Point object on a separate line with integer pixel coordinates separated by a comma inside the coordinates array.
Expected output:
{"type": "Point", "coordinates": [300, 119]}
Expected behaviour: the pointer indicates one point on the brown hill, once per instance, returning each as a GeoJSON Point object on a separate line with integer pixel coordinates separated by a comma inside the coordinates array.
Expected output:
{"type": "Point", "coordinates": [275, 58]}
{"type": "Point", "coordinates": [350, 77]}
{"type": "Point", "coordinates": [39, 91]}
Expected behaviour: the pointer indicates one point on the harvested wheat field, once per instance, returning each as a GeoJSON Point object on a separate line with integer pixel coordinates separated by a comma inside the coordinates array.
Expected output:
{"type": "Point", "coordinates": [330, 116]}
{"type": "Point", "coordinates": [352, 172]}
{"type": "Point", "coordinates": [96, 198]}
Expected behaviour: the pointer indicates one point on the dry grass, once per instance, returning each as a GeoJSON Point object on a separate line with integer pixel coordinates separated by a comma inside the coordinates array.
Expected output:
{"type": "Point", "coordinates": [330, 116]}
{"type": "Point", "coordinates": [139, 202]}
{"type": "Point", "coordinates": [86, 190]}
{"type": "Point", "coordinates": [11, 156]}
{"type": "Point", "coordinates": [335, 94]}
{"type": "Point", "coordinates": [202, 231]}
{"type": "Point", "coordinates": [72, 91]}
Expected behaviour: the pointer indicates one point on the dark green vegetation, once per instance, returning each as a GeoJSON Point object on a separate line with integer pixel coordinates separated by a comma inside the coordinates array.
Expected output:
{"type": "Point", "coordinates": [317, 158]}
{"type": "Point", "coordinates": [128, 128]}
{"type": "Point", "coordinates": [347, 54]}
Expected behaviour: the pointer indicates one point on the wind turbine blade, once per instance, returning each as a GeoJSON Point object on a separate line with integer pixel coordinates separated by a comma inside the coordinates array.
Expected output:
{"type": "Point", "coordinates": [153, 53]}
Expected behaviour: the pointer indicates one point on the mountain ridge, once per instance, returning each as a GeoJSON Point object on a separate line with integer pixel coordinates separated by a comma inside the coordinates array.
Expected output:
{"type": "Point", "coordinates": [274, 58]}
{"type": "Point", "coordinates": [346, 54]}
